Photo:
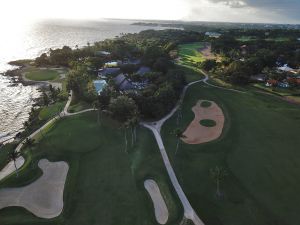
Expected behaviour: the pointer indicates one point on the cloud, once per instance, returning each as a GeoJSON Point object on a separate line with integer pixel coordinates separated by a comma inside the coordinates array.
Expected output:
{"type": "Point", "coordinates": [259, 3]}
{"type": "Point", "coordinates": [269, 11]}
{"type": "Point", "coordinates": [232, 4]}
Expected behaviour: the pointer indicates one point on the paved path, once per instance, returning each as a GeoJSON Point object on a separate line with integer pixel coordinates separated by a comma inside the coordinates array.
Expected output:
{"type": "Point", "coordinates": [189, 212]}
{"type": "Point", "coordinates": [8, 170]}
{"type": "Point", "coordinates": [62, 114]}
{"type": "Point", "coordinates": [205, 80]}
{"type": "Point", "coordinates": [155, 127]}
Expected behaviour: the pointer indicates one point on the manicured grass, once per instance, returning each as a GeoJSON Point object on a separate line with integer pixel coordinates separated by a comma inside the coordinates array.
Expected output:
{"type": "Point", "coordinates": [191, 73]}
{"type": "Point", "coordinates": [147, 163]}
{"type": "Point", "coordinates": [205, 104]}
{"type": "Point", "coordinates": [215, 80]}
{"type": "Point", "coordinates": [104, 183]}
{"type": "Point", "coordinates": [259, 150]}
{"type": "Point", "coordinates": [278, 90]}
{"type": "Point", "coordinates": [189, 58]}
{"type": "Point", "coordinates": [50, 111]}
{"type": "Point", "coordinates": [278, 39]}
{"type": "Point", "coordinates": [208, 123]}
{"type": "Point", "coordinates": [246, 38]}
{"type": "Point", "coordinates": [253, 38]}
{"type": "Point", "coordinates": [37, 74]}
{"type": "Point", "coordinates": [4, 150]}
{"type": "Point", "coordinates": [189, 53]}
{"type": "Point", "coordinates": [79, 105]}
{"type": "Point", "coordinates": [292, 94]}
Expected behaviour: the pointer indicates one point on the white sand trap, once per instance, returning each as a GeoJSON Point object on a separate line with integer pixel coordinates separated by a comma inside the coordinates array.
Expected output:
{"type": "Point", "coordinates": [10, 167]}
{"type": "Point", "coordinates": [206, 51]}
{"type": "Point", "coordinates": [44, 197]}
{"type": "Point", "coordinates": [196, 133]}
{"type": "Point", "coordinates": [161, 210]}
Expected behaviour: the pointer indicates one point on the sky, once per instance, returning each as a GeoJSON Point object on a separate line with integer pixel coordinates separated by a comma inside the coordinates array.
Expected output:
{"type": "Point", "coordinates": [265, 11]}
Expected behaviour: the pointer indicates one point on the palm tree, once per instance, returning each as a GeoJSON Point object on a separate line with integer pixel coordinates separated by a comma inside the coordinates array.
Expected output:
{"type": "Point", "coordinates": [29, 143]}
{"type": "Point", "coordinates": [125, 126]}
{"type": "Point", "coordinates": [13, 156]}
{"type": "Point", "coordinates": [133, 122]}
{"type": "Point", "coordinates": [218, 174]}
{"type": "Point", "coordinates": [96, 105]}
{"type": "Point", "coordinates": [125, 110]}
{"type": "Point", "coordinates": [179, 112]}
{"type": "Point", "coordinates": [26, 125]}
{"type": "Point", "coordinates": [179, 134]}
{"type": "Point", "coordinates": [46, 99]}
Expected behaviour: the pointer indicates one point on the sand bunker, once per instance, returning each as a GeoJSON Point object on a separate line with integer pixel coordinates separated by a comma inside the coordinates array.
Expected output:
{"type": "Point", "coordinates": [44, 197]}
{"type": "Point", "coordinates": [10, 167]}
{"type": "Point", "coordinates": [206, 51]}
{"type": "Point", "coordinates": [161, 210]}
{"type": "Point", "coordinates": [196, 133]}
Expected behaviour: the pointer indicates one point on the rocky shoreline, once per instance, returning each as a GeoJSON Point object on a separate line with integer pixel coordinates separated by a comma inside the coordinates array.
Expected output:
{"type": "Point", "coordinates": [16, 78]}
{"type": "Point", "coordinates": [16, 73]}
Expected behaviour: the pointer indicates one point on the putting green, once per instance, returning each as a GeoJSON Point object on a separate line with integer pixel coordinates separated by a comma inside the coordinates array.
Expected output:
{"type": "Point", "coordinates": [208, 123]}
{"type": "Point", "coordinates": [41, 74]}
{"type": "Point", "coordinates": [189, 53]}
{"type": "Point", "coordinates": [205, 104]}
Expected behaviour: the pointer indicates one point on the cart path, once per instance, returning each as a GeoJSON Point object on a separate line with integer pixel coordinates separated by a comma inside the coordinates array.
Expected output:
{"type": "Point", "coordinates": [155, 127]}
{"type": "Point", "coordinates": [6, 171]}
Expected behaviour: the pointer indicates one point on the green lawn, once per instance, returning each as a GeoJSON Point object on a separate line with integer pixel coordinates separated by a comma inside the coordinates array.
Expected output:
{"type": "Point", "coordinates": [258, 148]}
{"type": "Point", "coordinates": [4, 150]}
{"type": "Point", "coordinates": [278, 39]}
{"type": "Point", "coordinates": [205, 104]}
{"type": "Point", "coordinates": [278, 90]}
{"type": "Point", "coordinates": [253, 38]}
{"type": "Point", "coordinates": [37, 74]}
{"type": "Point", "coordinates": [50, 111]}
{"type": "Point", "coordinates": [104, 183]}
{"type": "Point", "coordinates": [246, 38]}
{"type": "Point", "coordinates": [189, 57]}
{"type": "Point", "coordinates": [208, 123]}
{"type": "Point", "coordinates": [189, 53]}
{"type": "Point", "coordinates": [77, 106]}
{"type": "Point", "coordinates": [191, 73]}
{"type": "Point", "coordinates": [293, 94]}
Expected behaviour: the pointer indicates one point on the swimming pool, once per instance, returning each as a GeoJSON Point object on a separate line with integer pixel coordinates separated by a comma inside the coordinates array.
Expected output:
{"type": "Point", "coordinates": [99, 85]}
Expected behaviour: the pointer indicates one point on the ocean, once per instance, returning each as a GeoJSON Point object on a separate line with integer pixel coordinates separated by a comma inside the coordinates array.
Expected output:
{"type": "Point", "coordinates": [27, 40]}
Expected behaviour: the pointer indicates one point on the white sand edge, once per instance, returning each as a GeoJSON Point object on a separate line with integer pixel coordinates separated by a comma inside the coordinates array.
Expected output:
{"type": "Point", "coordinates": [43, 197]}
{"type": "Point", "coordinates": [160, 207]}
{"type": "Point", "coordinates": [196, 133]}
